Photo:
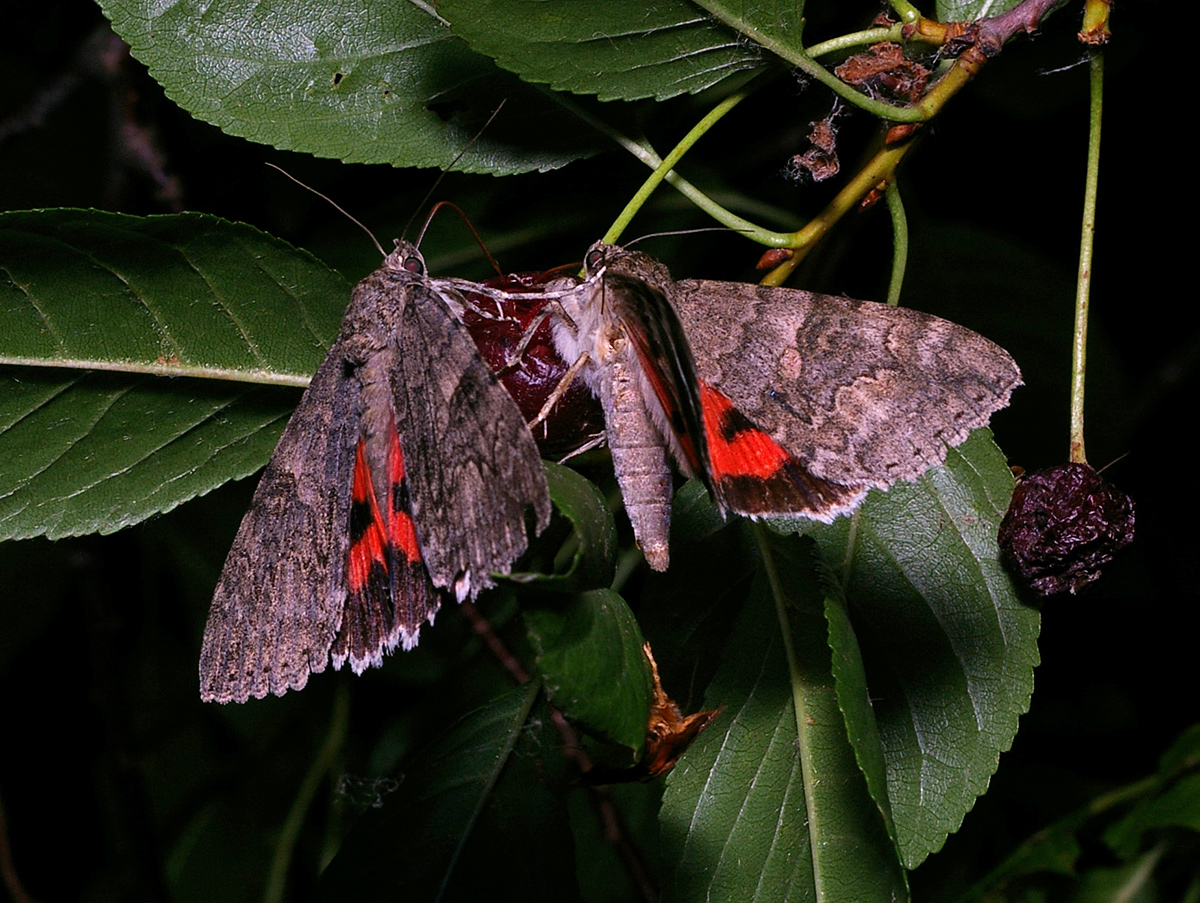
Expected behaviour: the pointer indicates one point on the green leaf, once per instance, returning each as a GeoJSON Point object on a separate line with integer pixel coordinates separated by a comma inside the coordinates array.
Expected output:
{"type": "Point", "coordinates": [1173, 800]}
{"type": "Point", "coordinates": [1184, 752]}
{"type": "Point", "coordinates": [929, 651]}
{"type": "Point", "coordinates": [186, 295]}
{"type": "Point", "coordinates": [617, 50]}
{"type": "Point", "coordinates": [592, 548]}
{"type": "Point", "coordinates": [775, 806]}
{"type": "Point", "coordinates": [589, 651]}
{"type": "Point", "coordinates": [356, 80]}
{"type": "Point", "coordinates": [948, 646]}
{"type": "Point", "coordinates": [93, 440]}
{"type": "Point", "coordinates": [480, 808]}
{"type": "Point", "coordinates": [96, 452]}
{"type": "Point", "coordinates": [970, 10]}
{"type": "Point", "coordinates": [777, 25]}
{"type": "Point", "coordinates": [1177, 806]}
{"type": "Point", "coordinates": [1168, 799]}
{"type": "Point", "coordinates": [854, 700]}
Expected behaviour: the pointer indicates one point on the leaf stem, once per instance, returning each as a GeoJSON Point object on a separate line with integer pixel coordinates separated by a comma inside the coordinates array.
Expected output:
{"type": "Point", "coordinates": [801, 59]}
{"type": "Point", "coordinates": [664, 167]}
{"type": "Point", "coordinates": [878, 172]}
{"type": "Point", "coordinates": [644, 152]}
{"type": "Point", "coordinates": [1086, 242]}
{"type": "Point", "coordinates": [905, 10]}
{"type": "Point", "coordinates": [899, 241]}
{"type": "Point", "coordinates": [795, 681]}
{"type": "Point", "coordinates": [857, 39]}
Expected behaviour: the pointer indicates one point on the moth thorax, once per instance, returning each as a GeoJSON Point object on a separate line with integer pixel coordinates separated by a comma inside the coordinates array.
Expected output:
{"type": "Point", "coordinates": [612, 343]}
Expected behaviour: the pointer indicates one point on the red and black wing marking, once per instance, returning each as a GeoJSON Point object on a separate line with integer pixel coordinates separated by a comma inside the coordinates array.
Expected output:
{"type": "Point", "coordinates": [863, 394]}
{"type": "Point", "coordinates": [667, 364]}
{"type": "Point", "coordinates": [752, 475]}
{"type": "Point", "coordinates": [403, 444]}
{"type": "Point", "coordinates": [388, 591]}
{"type": "Point", "coordinates": [744, 468]}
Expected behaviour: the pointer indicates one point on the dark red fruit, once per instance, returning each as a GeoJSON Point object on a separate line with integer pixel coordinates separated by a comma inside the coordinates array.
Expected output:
{"type": "Point", "coordinates": [498, 331]}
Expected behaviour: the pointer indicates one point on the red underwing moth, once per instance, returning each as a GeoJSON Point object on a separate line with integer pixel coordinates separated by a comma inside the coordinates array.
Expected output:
{"type": "Point", "coordinates": [783, 402]}
{"type": "Point", "coordinates": [407, 471]}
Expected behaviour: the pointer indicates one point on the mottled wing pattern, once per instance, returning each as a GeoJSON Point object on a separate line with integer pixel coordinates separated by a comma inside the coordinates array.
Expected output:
{"type": "Point", "coordinates": [863, 394]}
{"type": "Point", "coordinates": [753, 475]}
{"type": "Point", "coordinates": [478, 474]}
{"type": "Point", "coordinates": [406, 468]}
{"type": "Point", "coordinates": [278, 605]}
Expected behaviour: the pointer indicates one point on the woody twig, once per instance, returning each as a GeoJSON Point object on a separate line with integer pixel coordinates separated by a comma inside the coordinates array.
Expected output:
{"type": "Point", "coordinates": [611, 821]}
{"type": "Point", "coordinates": [983, 40]}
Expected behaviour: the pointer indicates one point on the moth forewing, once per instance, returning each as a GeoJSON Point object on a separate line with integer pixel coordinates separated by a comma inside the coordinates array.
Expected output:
{"type": "Point", "coordinates": [861, 393]}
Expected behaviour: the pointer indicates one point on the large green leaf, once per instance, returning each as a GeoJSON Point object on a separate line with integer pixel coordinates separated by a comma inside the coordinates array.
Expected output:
{"type": "Point", "coordinates": [93, 452]}
{"type": "Point", "coordinates": [185, 295]}
{"type": "Point", "coordinates": [618, 49]}
{"type": "Point", "coordinates": [929, 655]}
{"type": "Point", "coordinates": [949, 648]}
{"type": "Point", "coordinates": [480, 808]}
{"type": "Point", "coordinates": [365, 81]}
{"type": "Point", "coordinates": [775, 807]}
{"type": "Point", "coordinates": [588, 559]}
{"type": "Point", "coordinates": [154, 302]}
{"type": "Point", "coordinates": [777, 24]}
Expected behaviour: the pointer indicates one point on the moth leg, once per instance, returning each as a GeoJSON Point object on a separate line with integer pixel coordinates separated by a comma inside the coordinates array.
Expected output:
{"type": "Point", "coordinates": [560, 390]}
{"type": "Point", "coordinates": [552, 307]}
{"type": "Point", "coordinates": [596, 441]}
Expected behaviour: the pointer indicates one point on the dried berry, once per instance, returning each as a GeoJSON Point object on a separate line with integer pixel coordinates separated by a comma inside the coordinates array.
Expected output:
{"type": "Point", "coordinates": [1064, 523]}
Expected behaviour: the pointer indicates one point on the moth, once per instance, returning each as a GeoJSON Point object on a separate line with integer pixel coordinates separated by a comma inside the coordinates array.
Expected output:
{"type": "Point", "coordinates": [406, 473]}
{"type": "Point", "coordinates": [783, 402]}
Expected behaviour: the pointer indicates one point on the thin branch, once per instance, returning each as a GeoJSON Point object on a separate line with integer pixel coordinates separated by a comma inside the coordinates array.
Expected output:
{"type": "Point", "coordinates": [8, 871]}
{"type": "Point", "coordinates": [611, 821]}
{"type": "Point", "coordinates": [1084, 279]}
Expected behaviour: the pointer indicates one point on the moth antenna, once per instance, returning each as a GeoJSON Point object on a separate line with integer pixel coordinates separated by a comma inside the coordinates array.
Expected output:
{"type": "Point", "coordinates": [335, 205]}
{"type": "Point", "coordinates": [466, 221]}
{"type": "Point", "coordinates": [438, 180]}
{"type": "Point", "coordinates": [1116, 460]}
{"type": "Point", "coordinates": [631, 243]}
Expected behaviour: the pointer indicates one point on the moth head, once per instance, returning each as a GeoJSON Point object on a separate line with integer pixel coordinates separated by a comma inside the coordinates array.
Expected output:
{"type": "Point", "coordinates": [597, 257]}
{"type": "Point", "coordinates": [405, 258]}
{"type": "Point", "coordinates": [602, 258]}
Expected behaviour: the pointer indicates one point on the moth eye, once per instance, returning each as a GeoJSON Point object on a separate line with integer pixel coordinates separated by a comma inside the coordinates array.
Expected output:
{"type": "Point", "coordinates": [593, 259]}
{"type": "Point", "coordinates": [414, 265]}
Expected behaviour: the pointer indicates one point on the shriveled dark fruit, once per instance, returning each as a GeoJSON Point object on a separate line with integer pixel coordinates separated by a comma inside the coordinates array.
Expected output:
{"type": "Point", "coordinates": [577, 417]}
{"type": "Point", "coordinates": [1063, 525]}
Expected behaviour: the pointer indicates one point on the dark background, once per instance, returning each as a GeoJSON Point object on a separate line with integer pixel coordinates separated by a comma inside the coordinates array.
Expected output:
{"type": "Point", "coordinates": [109, 764]}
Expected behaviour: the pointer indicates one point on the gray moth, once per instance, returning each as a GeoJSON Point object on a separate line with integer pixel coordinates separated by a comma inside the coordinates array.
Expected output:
{"type": "Point", "coordinates": [784, 402]}
{"type": "Point", "coordinates": [406, 473]}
